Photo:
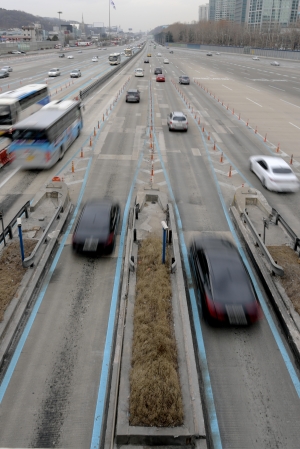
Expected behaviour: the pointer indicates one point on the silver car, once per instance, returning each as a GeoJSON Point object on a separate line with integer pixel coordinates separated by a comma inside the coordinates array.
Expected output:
{"type": "Point", "coordinates": [177, 121]}
{"type": "Point", "coordinates": [54, 72]}
{"type": "Point", "coordinates": [8, 68]}
{"type": "Point", "coordinates": [76, 73]}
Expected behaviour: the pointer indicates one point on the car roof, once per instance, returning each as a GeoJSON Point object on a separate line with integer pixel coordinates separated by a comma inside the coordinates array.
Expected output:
{"type": "Point", "coordinates": [178, 113]}
{"type": "Point", "coordinates": [133, 90]}
{"type": "Point", "coordinates": [95, 213]}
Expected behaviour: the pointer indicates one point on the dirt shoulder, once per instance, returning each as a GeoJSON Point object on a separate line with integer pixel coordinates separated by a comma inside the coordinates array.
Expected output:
{"type": "Point", "coordinates": [12, 271]}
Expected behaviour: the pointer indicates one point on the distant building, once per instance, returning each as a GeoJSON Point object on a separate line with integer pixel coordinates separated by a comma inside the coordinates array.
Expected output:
{"type": "Point", "coordinates": [222, 10]}
{"type": "Point", "coordinates": [32, 33]}
{"type": "Point", "coordinates": [265, 16]}
{"type": "Point", "coordinates": [203, 12]}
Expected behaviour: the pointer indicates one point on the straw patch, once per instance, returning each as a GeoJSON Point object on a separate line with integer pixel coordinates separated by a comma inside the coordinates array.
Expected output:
{"type": "Point", "coordinates": [155, 393]}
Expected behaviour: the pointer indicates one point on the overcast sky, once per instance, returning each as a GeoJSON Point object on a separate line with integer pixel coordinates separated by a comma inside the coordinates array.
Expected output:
{"type": "Point", "coordinates": [136, 14]}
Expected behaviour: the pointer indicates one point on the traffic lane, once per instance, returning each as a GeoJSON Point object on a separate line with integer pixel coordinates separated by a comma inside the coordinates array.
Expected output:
{"type": "Point", "coordinates": [256, 402]}
{"type": "Point", "coordinates": [52, 394]}
{"type": "Point", "coordinates": [230, 352]}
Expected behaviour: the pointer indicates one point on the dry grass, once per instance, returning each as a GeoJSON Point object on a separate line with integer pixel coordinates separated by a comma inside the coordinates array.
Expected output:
{"type": "Point", "coordinates": [290, 262]}
{"type": "Point", "coordinates": [155, 396]}
{"type": "Point", "coordinates": [12, 271]}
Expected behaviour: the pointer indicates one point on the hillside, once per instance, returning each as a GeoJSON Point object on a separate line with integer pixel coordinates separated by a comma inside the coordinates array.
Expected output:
{"type": "Point", "coordinates": [17, 19]}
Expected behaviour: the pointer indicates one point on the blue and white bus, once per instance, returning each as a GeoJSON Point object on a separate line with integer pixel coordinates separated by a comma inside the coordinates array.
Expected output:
{"type": "Point", "coordinates": [15, 105]}
{"type": "Point", "coordinates": [42, 139]}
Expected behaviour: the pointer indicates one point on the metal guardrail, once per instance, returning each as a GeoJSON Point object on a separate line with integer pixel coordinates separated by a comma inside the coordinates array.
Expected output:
{"type": "Point", "coordinates": [9, 228]}
{"type": "Point", "coordinates": [28, 261]}
{"type": "Point", "coordinates": [276, 269]}
{"type": "Point", "coordinates": [89, 89]}
{"type": "Point", "coordinates": [292, 234]}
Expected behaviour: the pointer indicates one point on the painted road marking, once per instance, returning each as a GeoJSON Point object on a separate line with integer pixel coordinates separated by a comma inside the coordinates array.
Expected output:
{"type": "Point", "coordinates": [196, 152]}
{"type": "Point", "coordinates": [254, 102]}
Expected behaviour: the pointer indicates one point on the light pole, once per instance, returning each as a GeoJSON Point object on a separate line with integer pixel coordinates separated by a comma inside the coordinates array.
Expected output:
{"type": "Point", "coordinates": [59, 13]}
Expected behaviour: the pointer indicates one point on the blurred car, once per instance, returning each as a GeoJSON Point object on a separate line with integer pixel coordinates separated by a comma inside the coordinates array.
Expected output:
{"type": "Point", "coordinates": [184, 79]}
{"type": "Point", "coordinates": [146, 61]}
{"type": "Point", "coordinates": [104, 48]}
{"type": "Point", "coordinates": [80, 51]}
{"type": "Point", "coordinates": [96, 228]}
{"type": "Point", "coordinates": [275, 63]}
{"type": "Point", "coordinates": [158, 54]}
{"type": "Point", "coordinates": [217, 53]}
{"type": "Point", "coordinates": [149, 55]}
{"type": "Point", "coordinates": [133, 96]}
{"type": "Point", "coordinates": [225, 291]}
{"type": "Point", "coordinates": [123, 53]}
{"type": "Point", "coordinates": [95, 59]}
{"type": "Point", "coordinates": [255, 58]}
{"type": "Point", "coordinates": [61, 55]}
{"type": "Point", "coordinates": [139, 72]}
{"type": "Point", "coordinates": [76, 73]}
{"type": "Point", "coordinates": [160, 78]}
{"type": "Point", "coordinates": [166, 61]}
{"type": "Point", "coordinates": [171, 51]}
{"type": "Point", "coordinates": [70, 57]}
{"type": "Point", "coordinates": [274, 173]}
{"type": "Point", "coordinates": [209, 54]}
{"type": "Point", "coordinates": [4, 73]}
{"type": "Point", "coordinates": [54, 72]}
{"type": "Point", "coordinates": [157, 71]}
{"type": "Point", "coordinates": [7, 68]}
{"type": "Point", "coordinates": [15, 52]}
{"type": "Point", "coordinates": [177, 121]}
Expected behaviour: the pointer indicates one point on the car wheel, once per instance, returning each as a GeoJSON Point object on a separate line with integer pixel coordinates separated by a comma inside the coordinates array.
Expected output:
{"type": "Point", "coordinates": [61, 153]}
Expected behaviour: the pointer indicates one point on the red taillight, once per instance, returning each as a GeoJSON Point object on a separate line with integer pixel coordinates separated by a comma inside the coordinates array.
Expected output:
{"type": "Point", "coordinates": [210, 306]}
{"type": "Point", "coordinates": [48, 156]}
{"type": "Point", "coordinates": [110, 239]}
{"type": "Point", "coordinates": [171, 123]}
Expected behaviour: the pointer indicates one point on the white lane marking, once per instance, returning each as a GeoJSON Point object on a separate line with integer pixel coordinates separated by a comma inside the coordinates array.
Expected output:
{"type": "Point", "coordinates": [158, 114]}
{"type": "Point", "coordinates": [254, 102]}
{"type": "Point", "coordinates": [196, 152]}
{"type": "Point", "coordinates": [74, 182]}
{"type": "Point", "coordinates": [226, 87]}
{"type": "Point", "coordinates": [9, 176]}
{"type": "Point", "coordinates": [253, 88]}
{"type": "Point", "coordinates": [289, 103]}
{"type": "Point", "coordinates": [294, 125]}
{"type": "Point", "coordinates": [273, 87]}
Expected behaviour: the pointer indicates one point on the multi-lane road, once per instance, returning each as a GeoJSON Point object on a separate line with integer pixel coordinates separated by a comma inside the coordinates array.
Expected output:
{"type": "Point", "coordinates": [49, 397]}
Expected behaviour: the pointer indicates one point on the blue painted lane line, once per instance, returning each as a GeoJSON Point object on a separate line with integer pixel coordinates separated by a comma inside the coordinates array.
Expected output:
{"type": "Point", "coordinates": [209, 398]}
{"type": "Point", "coordinates": [100, 406]}
{"type": "Point", "coordinates": [288, 363]}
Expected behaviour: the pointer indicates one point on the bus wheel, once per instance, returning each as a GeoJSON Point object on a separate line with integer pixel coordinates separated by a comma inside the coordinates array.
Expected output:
{"type": "Point", "coordinates": [61, 153]}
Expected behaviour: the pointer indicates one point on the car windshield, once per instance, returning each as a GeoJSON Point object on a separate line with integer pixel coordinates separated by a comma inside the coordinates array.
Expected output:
{"type": "Point", "coordinates": [5, 115]}
{"type": "Point", "coordinates": [29, 134]}
{"type": "Point", "coordinates": [179, 119]}
{"type": "Point", "coordinates": [281, 170]}
{"type": "Point", "coordinates": [132, 92]}
{"type": "Point", "coordinates": [96, 219]}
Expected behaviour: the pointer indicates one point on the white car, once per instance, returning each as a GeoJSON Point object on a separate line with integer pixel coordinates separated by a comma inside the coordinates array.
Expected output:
{"type": "Point", "coordinates": [139, 72]}
{"type": "Point", "coordinates": [95, 59]}
{"type": "Point", "coordinates": [70, 57]}
{"type": "Point", "coordinates": [275, 63]}
{"type": "Point", "coordinates": [7, 68]}
{"type": "Point", "coordinates": [54, 72]}
{"type": "Point", "coordinates": [274, 173]}
{"type": "Point", "coordinates": [255, 58]}
{"type": "Point", "coordinates": [166, 61]}
{"type": "Point", "coordinates": [16, 52]}
{"type": "Point", "coordinates": [158, 54]}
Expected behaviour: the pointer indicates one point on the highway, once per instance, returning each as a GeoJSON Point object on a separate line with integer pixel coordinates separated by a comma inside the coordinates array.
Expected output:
{"type": "Point", "coordinates": [50, 397]}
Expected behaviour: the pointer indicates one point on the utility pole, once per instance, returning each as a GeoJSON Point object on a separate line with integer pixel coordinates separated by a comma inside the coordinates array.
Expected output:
{"type": "Point", "coordinates": [59, 13]}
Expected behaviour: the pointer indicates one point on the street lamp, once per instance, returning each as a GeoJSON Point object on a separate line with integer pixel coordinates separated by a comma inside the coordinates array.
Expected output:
{"type": "Point", "coordinates": [59, 13]}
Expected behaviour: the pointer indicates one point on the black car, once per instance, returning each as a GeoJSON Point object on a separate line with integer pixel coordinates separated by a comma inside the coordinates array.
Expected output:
{"type": "Point", "coordinates": [146, 61]}
{"type": "Point", "coordinates": [61, 55]}
{"type": "Point", "coordinates": [225, 291]}
{"type": "Point", "coordinates": [4, 73]}
{"type": "Point", "coordinates": [184, 79]}
{"type": "Point", "coordinates": [209, 54]}
{"type": "Point", "coordinates": [157, 71]}
{"type": "Point", "coordinates": [96, 228]}
{"type": "Point", "coordinates": [133, 95]}
{"type": "Point", "coordinates": [171, 51]}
